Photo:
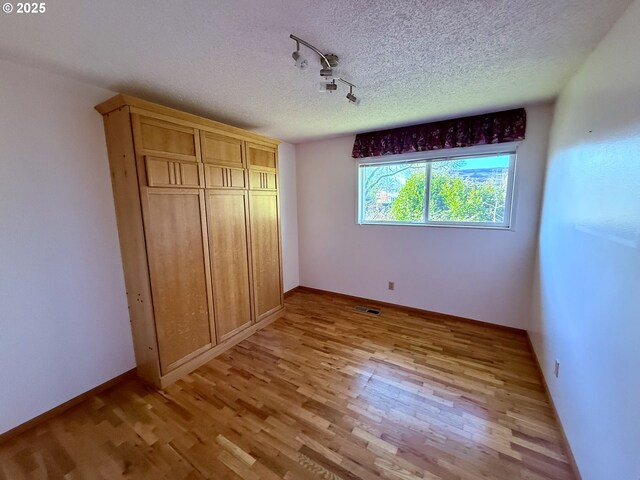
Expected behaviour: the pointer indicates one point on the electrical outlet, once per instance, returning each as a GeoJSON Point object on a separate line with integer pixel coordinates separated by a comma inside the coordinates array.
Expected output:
{"type": "Point", "coordinates": [392, 285]}
{"type": "Point", "coordinates": [556, 369]}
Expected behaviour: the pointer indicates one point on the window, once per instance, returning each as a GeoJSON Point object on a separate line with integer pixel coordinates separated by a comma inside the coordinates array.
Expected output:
{"type": "Point", "coordinates": [455, 191]}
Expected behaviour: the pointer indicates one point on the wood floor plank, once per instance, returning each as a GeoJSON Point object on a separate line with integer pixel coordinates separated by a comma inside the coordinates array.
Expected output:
{"type": "Point", "coordinates": [322, 393]}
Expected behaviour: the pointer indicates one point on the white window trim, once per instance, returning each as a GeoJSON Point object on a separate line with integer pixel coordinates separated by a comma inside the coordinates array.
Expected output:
{"type": "Point", "coordinates": [441, 155]}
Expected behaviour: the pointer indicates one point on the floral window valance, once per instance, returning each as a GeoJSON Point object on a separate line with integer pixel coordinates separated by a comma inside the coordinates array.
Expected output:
{"type": "Point", "coordinates": [491, 128]}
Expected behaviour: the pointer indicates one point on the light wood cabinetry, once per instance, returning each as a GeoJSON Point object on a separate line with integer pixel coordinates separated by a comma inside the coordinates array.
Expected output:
{"type": "Point", "coordinates": [197, 206]}
{"type": "Point", "coordinates": [159, 137]}
{"type": "Point", "coordinates": [265, 235]}
{"type": "Point", "coordinates": [177, 255]}
{"type": "Point", "coordinates": [261, 157]}
{"type": "Point", "coordinates": [224, 177]}
{"type": "Point", "coordinates": [222, 150]}
{"type": "Point", "coordinates": [228, 212]}
{"type": "Point", "coordinates": [163, 172]}
{"type": "Point", "coordinates": [265, 229]}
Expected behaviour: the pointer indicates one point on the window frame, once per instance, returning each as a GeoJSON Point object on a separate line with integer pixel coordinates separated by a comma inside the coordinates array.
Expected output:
{"type": "Point", "coordinates": [431, 157]}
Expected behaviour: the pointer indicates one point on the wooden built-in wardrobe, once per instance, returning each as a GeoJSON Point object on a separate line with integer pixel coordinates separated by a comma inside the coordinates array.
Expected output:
{"type": "Point", "coordinates": [198, 216]}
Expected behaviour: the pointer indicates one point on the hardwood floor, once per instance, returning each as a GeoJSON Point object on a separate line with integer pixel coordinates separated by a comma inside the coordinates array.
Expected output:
{"type": "Point", "coordinates": [323, 393]}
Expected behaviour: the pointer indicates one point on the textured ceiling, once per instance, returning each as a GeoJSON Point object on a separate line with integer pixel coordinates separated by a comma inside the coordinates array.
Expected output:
{"type": "Point", "coordinates": [413, 60]}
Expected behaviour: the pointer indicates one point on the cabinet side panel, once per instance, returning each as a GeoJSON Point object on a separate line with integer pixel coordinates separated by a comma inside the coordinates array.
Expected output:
{"type": "Point", "coordinates": [276, 185]}
{"type": "Point", "coordinates": [126, 196]}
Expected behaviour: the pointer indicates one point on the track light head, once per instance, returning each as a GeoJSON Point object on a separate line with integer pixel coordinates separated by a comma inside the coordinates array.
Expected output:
{"type": "Point", "coordinates": [328, 87]}
{"type": "Point", "coordinates": [329, 60]}
{"type": "Point", "coordinates": [353, 100]}
{"type": "Point", "coordinates": [300, 62]}
{"type": "Point", "coordinates": [326, 73]}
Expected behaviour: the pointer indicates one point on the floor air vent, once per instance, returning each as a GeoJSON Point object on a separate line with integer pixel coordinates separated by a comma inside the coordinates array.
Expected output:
{"type": "Point", "coordinates": [367, 310]}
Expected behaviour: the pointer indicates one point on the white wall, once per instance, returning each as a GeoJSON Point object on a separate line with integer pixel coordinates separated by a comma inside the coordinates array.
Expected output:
{"type": "Point", "coordinates": [474, 273]}
{"type": "Point", "coordinates": [587, 297]}
{"type": "Point", "coordinates": [64, 324]}
{"type": "Point", "coordinates": [288, 215]}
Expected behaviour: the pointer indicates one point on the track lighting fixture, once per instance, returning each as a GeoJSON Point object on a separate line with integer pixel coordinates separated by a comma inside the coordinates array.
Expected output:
{"type": "Point", "coordinates": [328, 70]}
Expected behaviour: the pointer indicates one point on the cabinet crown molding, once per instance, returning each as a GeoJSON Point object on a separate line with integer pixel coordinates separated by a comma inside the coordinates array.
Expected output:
{"type": "Point", "coordinates": [189, 119]}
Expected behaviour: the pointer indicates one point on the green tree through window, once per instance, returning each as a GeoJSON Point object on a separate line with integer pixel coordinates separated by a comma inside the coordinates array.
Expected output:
{"type": "Point", "coordinates": [409, 204]}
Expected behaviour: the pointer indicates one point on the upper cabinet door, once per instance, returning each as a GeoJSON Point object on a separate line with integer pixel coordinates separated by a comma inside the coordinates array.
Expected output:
{"type": "Point", "coordinates": [224, 177]}
{"type": "Point", "coordinates": [159, 138]}
{"type": "Point", "coordinates": [164, 172]}
{"type": "Point", "coordinates": [222, 150]}
{"type": "Point", "coordinates": [261, 157]}
{"type": "Point", "coordinates": [259, 180]}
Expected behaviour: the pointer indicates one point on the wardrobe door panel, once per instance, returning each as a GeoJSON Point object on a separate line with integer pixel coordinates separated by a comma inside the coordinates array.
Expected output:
{"type": "Point", "coordinates": [158, 137]}
{"type": "Point", "coordinates": [229, 252]}
{"type": "Point", "coordinates": [177, 265]}
{"type": "Point", "coordinates": [189, 174]}
{"type": "Point", "coordinates": [261, 157]}
{"type": "Point", "coordinates": [163, 172]}
{"type": "Point", "coordinates": [224, 177]}
{"type": "Point", "coordinates": [221, 150]}
{"type": "Point", "coordinates": [265, 251]}
{"type": "Point", "coordinates": [259, 180]}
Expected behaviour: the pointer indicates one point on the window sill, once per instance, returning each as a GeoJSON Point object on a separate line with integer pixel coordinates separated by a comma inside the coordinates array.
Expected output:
{"type": "Point", "coordinates": [440, 225]}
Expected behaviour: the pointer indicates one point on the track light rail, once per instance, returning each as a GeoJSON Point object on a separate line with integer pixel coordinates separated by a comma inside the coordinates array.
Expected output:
{"type": "Point", "coordinates": [344, 81]}
{"type": "Point", "coordinates": [308, 45]}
